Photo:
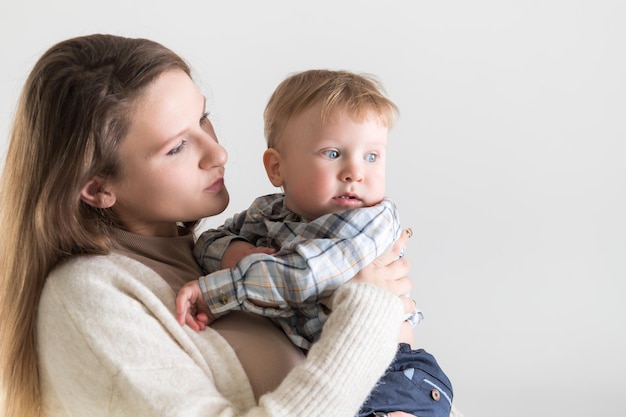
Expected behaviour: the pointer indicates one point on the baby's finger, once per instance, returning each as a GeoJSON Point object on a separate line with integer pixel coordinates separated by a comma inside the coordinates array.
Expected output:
{"type": "Point", "coordinates": [182, 305]}
{"type": "Point", "coordinates": [191, 322]}
{"type": "Point", "coordinates": [202, 319]}
{"type": "Point", "coordinates": [181, 313]}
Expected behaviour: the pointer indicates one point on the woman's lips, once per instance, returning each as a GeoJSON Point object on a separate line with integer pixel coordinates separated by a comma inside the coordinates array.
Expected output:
{"type": "Point", "coordinates": [216, 186]}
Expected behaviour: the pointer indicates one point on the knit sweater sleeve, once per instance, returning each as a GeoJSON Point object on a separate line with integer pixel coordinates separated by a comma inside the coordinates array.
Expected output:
{"type": "Point", "coordinates": [344, 364]}
{"type": "Point", "coordinates": [108, 344]}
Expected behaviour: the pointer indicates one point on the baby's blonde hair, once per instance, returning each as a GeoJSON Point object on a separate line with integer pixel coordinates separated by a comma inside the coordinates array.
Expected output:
{"type": "Point", "coordinates": [361, 95]}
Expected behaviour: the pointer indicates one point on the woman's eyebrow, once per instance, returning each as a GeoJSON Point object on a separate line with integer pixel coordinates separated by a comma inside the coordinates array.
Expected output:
{"type": "Point", "coordinates": [203, 109]}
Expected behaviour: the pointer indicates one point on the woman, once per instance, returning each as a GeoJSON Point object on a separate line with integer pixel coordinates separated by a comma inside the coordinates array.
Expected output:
{"type": "Point", "coordinates": [112, 162]}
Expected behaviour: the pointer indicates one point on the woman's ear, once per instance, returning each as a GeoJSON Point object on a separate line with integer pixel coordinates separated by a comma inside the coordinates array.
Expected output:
{"type": "Point", "coordinates": [95, 194]}
{"type": "Point", "coordinates": [271, 160]}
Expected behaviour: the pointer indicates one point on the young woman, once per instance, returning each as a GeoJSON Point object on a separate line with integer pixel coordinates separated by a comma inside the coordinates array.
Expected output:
{"type": "Point", "coordinates": [112, 161]}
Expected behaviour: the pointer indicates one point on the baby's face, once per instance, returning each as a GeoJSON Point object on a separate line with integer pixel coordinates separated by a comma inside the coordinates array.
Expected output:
{"type": "Point", "coordinates": [332, 166]}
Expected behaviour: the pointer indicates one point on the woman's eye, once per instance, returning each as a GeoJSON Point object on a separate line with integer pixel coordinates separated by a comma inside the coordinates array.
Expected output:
{"type": "Point", "coordinates": [331, 153]}
{"type": "Point", "coordinates": [177, 149]}
{"type": "Point", "coordinates": [371, 157]}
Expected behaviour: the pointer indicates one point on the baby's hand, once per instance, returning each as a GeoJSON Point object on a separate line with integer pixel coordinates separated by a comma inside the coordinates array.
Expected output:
{"type": "Point", "coordinates": [191, 309]}
{"type": "Point", "coordinates": [239, 249]}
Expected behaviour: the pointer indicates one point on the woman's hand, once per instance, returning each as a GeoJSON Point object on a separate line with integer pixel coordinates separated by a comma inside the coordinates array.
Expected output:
{"type": "Point", "coordinates": [389, 271]}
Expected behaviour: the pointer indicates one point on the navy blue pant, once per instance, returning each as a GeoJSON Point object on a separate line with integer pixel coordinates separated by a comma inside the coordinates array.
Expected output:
{"type": "Point", "coordinates": [413, 383]}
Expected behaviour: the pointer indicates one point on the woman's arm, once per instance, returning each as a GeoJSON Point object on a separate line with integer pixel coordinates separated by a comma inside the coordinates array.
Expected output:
{"type": "Point", "coordinates": [109, 345]}
{"type": "Point", "coordinates": [353, 328]}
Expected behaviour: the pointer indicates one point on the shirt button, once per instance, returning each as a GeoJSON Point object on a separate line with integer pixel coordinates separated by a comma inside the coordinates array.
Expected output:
{"type": "Point", "coordinates": [435, 394]}
{"type": "Point", "coordinates": [223, 298]}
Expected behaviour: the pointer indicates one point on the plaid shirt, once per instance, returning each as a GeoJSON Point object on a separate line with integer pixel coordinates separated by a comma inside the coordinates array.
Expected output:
{"type": "Point", "coordinates": [314, 258]}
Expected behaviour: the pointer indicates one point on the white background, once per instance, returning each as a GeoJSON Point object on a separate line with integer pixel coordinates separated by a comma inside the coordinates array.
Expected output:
{"type": "Point", "coordinates": [507, 162]}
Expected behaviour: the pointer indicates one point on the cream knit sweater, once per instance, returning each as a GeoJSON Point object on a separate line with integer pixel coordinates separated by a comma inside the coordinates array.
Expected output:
{"type": "Point", "coordinates": [109, 345]}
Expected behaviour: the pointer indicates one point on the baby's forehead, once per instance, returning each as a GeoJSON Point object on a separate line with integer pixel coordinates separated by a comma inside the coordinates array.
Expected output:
{"type": "Point", "coordinates": [334, 113]}
{"type": "Point", "coordinates": [315, 120]}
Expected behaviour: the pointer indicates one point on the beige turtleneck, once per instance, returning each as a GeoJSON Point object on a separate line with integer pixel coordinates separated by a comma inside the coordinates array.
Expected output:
{"type": "Point", "coordinates": [264, 351]}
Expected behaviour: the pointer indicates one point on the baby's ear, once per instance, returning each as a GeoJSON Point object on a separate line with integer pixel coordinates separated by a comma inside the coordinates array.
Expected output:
{"type": "Point", "coordinates": [271, 160]}
{"type": "Point", "coordinates": [95, 194]}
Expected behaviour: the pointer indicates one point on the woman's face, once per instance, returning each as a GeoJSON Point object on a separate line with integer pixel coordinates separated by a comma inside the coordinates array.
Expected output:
{"type": "Point", "coordinates": [172, 163]}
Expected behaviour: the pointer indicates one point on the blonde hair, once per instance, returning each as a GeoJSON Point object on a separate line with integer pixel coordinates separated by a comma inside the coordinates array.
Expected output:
{"type": "Point", "coordinates": [361, 95]}
{"type": "Point", "coordinates": [74, 110]}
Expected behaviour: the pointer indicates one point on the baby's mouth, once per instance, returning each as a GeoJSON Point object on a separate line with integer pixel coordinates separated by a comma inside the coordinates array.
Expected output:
{"type": "Point", "coordinates": [347, 198]}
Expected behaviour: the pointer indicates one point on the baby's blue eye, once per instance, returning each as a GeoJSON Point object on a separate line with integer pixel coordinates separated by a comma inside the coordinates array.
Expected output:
{"type": "Point", "coordinates": [371, 157]}
{"type": "Point", "coordinates": [331, 153]}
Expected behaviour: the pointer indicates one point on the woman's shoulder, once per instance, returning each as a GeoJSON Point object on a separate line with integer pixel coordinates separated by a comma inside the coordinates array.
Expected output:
{"type": "Point", "coordinates": [93, 276]}
{"type": "Point", "coordinates": [88, 298]}
{"type": "Point", "coordinates": [85, 263]}
{"type": "Point", "coordinates": [102, 267]}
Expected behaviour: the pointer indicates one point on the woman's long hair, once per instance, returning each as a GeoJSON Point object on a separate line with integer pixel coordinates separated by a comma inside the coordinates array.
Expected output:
{"type": "Point", "coordinates": [74, 110]}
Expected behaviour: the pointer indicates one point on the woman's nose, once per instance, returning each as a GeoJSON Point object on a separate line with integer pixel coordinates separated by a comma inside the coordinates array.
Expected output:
{"type": "Point", "coordinates": [214, 154]}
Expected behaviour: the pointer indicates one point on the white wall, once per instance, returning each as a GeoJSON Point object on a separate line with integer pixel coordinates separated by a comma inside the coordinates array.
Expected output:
{"type": "Point", "coordinates": [507, 162]}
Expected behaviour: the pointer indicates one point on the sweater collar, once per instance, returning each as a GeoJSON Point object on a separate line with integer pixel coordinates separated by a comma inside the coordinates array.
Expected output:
{"type": "Point", "coordinates": [170, 257]}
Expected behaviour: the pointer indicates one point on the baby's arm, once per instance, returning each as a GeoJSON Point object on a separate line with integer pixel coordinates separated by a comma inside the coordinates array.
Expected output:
{"type": "Point", "coordinates": [324, 254]}
{"type": "Point", "coordinates": [212, 247]}
{"type": "Point", "coordinates": [191, 308]}
{"type": "Point", "coordinates": [224, 246]}
{"type": "Point", "coordinates": [238, 249]}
